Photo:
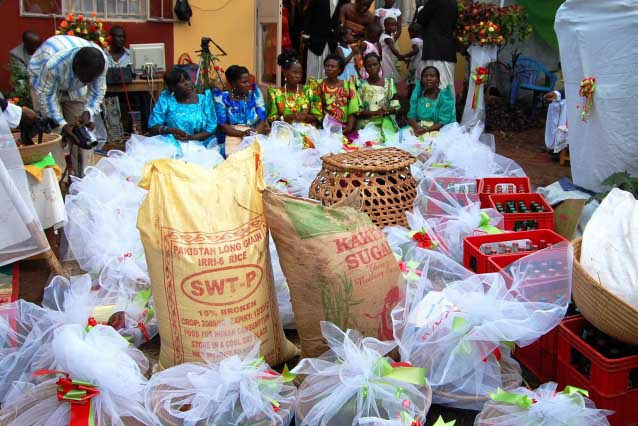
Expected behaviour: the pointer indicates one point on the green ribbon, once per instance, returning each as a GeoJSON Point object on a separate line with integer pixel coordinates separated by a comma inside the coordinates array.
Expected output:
{"type": "Point", "coordinates": [412, 375]}
{"type": "Point", "coordinates": [485, 225]}
{"type": "Point", "coordinates": [47, 161]}
{"type": "Point", "coordinates": [522, 401]}
{"type": "Point", "coordinates": [441, 422]}
{"type": "Point", "coordinates": [573, 390]}
{"type": "Point", "coordinates": [141, 299]}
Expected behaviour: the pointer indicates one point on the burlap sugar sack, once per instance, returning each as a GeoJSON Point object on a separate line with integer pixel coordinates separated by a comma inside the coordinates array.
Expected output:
{"type": "Point", "coordinates": [338, 265]}
{"type": "Point", "coordinates": [206, 245]}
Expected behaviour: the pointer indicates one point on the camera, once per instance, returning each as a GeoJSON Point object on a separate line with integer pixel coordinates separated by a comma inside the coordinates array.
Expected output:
{"type": "Point", "coordinates": [86, 138]}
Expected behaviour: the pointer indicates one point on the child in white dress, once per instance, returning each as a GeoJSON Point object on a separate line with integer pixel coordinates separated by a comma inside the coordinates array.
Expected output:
{"type": "Point", "coordinates": [416, 63]}
{"type": "Point", "coordinates": [389, 11]}
{"type": "Point", "coordinates": [389, 52]}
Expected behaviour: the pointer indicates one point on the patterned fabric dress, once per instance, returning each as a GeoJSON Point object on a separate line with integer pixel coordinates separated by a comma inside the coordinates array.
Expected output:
{"type": "Point", "coordinates": [190, 118]}
{"type": "Point", "coordinates": [374, 98]}
{"type": "Point", "coordinates": [282, 103]}
{"type": "Point", "coordinates": [338, 102]}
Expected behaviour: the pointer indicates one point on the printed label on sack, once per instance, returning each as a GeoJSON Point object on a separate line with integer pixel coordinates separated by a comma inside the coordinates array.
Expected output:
{"type": "Point", "coordinates": [230, 283]}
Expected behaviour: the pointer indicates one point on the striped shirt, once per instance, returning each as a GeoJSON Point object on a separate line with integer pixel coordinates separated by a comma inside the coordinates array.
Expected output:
{"type": "Point", "coordinates": [51, 73]}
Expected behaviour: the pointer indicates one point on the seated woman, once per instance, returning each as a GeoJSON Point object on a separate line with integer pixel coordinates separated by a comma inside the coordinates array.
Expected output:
{"type": "Point", "coordinates": [183, 114]}
{"type": "Point", "coordinates": [430, 107]}
{"type": "Point", "coordinates": [378, 98]}
{"type": "Point", "coordinates": [338, 98]}
{"type": "Point", "coordinates": [241, 111]}
{"type": "Point", "coordinates": [293, 103]}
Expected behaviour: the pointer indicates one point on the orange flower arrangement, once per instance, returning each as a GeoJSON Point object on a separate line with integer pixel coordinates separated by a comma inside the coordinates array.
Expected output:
{"type": "Point", "coordinates": [91, 29]}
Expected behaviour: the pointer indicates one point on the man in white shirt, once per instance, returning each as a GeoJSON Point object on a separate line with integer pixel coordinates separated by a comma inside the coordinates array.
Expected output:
{"type": "Point", "coordinates": [119, 56]}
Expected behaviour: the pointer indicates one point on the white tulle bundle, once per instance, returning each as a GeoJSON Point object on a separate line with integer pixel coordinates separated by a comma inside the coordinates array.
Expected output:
{"type": "Point", "coordinates": [459, 152]}
{"type": "Point", "coordinates": [29, 329]}
{"type": "Point", "coordinates": [98, 357]}
{"type": "Point", "coordinates": [449, 220]}
{"type": "Point", "coordinates": [462, 330]}
{"type": "Point", "coordinates": [543, 406]}
{"type": "Point", "coordinates": [238, 390]}
{"type": "Point", "coordinates": [355, 380]}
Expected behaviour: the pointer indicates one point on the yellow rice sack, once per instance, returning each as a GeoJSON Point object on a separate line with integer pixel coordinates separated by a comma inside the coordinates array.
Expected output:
{"type": "Point", "coordinates": [206, 245]}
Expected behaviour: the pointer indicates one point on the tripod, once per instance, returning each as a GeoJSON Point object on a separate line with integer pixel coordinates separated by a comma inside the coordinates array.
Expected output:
{"type": "Point", "coordinates": [208, 64]}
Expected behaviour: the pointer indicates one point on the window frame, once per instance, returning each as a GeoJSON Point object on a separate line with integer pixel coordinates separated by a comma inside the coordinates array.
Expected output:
{"type": "Point", "coordinates": [147, 18]}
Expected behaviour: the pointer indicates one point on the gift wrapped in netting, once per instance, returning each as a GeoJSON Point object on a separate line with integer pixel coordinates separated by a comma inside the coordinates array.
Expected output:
{"type": "Point", "coordinates": [229, 389]}
{"type": "Point", "coordinates": [93, 380]}
{"type": "Point", "coordinates": [355, 380]}
{"type": "Point", "coordinates": [462, 330]}
{"type": "Point", "coordinates": [27, 331]}
{"type": "Point", "coordinates": [403, 421]}
{"type": "Point", "coordinates": [449, 217]}
{"type": "Point", "coordinates": [544, 406]}
{"type": "Point", "coordinates": [292, 154]}
{"type": "Point", "coordinates": [460, 152]}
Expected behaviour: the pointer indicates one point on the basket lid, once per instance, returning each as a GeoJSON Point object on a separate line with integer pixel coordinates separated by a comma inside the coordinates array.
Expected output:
{"type": "Point", "coordinates": [377, 160]}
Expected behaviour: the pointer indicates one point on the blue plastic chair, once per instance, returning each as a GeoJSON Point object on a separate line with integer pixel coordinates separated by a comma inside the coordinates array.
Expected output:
{"type": "Point", "coordinates": [526, 74]}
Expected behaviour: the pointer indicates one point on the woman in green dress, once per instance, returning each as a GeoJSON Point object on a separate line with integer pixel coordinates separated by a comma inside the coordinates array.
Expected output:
{"type": "Point", "coordinates": [378, 99]}
{"type": "Point", "coordinates": [338, 98]}
{"type": "Point", "coordinates": [430, 106]}
{"type": "Point", "coordinates": [294, 102]}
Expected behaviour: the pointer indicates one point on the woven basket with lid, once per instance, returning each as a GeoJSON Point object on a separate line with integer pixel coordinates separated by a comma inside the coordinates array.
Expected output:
{"type": "Point", "coordinates": [382, 176]}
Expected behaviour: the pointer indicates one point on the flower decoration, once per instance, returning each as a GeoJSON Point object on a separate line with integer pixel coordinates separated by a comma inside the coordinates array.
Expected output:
{"type": "Point", "coordinates": [479, 75]}
{"type": "Point", "coordinates": [84, 27]}
{"type": "Point", "coordinates": [423, 240]}
{"type": "Point", "coordinates": [587, 90]}
{"type": "Point", "coordinates": [486, 24]}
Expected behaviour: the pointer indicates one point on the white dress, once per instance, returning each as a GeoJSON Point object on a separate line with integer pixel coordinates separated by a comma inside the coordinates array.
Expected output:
{"type": "Point", "coordinates": [387, 60]}
{"type": "Point", "coordinates": [387, 13]}
{"type": "Point", "coordinates": [416, 62]}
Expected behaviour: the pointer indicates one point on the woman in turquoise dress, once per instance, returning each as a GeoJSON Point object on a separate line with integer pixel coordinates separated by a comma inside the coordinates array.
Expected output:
{"type": "Point", "coordinates": [430, 106]}
{"type": "Point", "coordinates": [182, 114]}
{"type": "Point", "coordinates": [240, 111]}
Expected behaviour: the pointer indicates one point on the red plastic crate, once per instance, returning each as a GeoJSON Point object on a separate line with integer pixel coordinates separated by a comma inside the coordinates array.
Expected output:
{"type": "Point", "coordinates": [612, 383]}
{"type": "Point", "coordinates": [9, 291]}
{"type": "Point", "coordinates": [442, 182]}
{"type": "Point", "coordinates": [475, 260]}
{"type": "Point", "coordinates": [545, 219]}
{"type": "Point", "coordinates": [493, 181]}
{"type": "Point", "coordinates": [541, 356]}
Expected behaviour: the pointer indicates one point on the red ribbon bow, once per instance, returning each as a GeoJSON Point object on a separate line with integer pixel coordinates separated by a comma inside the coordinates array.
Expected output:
{"type": "Point", "coordinates": [422, 239]}
{"type": "Point", "coordinates": [78, 394]}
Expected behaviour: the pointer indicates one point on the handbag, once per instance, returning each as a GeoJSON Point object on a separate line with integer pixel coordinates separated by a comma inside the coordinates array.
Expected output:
{"type": "Point", "coordinates": [186, 63]}
{"type": "Point", "coordinates": [183, 11]}
{"type": "Point", "coordinates": [119, 75]}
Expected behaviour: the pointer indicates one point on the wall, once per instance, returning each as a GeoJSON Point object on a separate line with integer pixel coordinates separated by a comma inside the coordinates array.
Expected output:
{"type": "Point", "coordinates": [14, 25]}
{"type": "Point", "coordinates": [230, 23]}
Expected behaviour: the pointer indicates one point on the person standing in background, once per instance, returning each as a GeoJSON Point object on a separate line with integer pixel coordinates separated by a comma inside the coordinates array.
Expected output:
{"type": "Point", "coordinates": [321, 20]}
{"type": "Point", "coordinates": [438, 20]}
{"type": "Point", "coordinates": [356, 16]}
{"type": "Point", "coordinates": [118, 54]}
{"type": "Point", "coordinates": [21, 55]}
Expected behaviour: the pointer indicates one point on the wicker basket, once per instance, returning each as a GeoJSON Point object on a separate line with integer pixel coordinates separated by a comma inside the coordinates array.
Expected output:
{"type": "Point", "coordinates": [43, 391]}
{"type": "Point", "coordinates": [486, 414]}
{"type": "Point", "coordinates": [508, 368]}
{"type": "Point", "coordinates": [166, 419]}
{"type": "Point", "coordinates": [382, 176]}
{"type": "Point", "coordinates": [599, 306]}
{"type": "Point", "coordinates": [34, 153]}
